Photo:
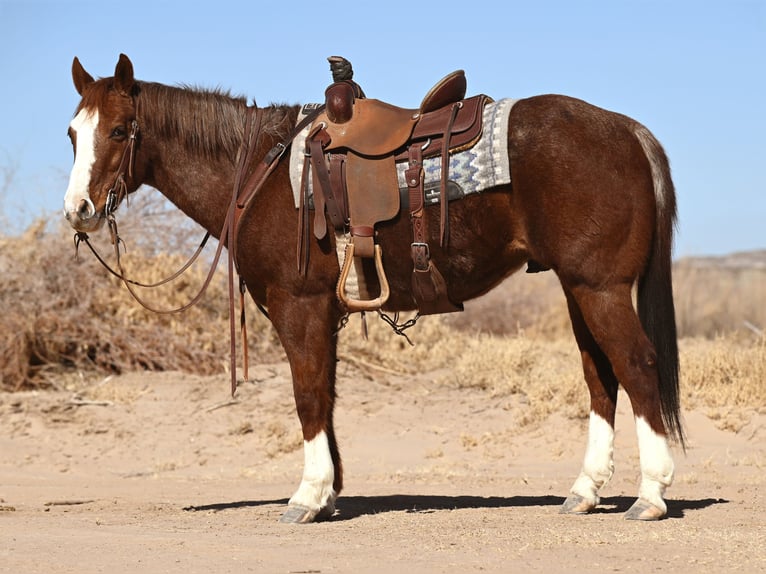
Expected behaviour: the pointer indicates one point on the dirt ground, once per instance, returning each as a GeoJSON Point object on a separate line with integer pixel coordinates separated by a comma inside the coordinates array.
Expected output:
{"type": "Point", "coordinates": [163, 473]}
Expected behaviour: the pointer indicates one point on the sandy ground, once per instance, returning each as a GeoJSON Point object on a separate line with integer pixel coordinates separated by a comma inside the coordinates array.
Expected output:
{"type": "Point", "coordinates": [161, 473]}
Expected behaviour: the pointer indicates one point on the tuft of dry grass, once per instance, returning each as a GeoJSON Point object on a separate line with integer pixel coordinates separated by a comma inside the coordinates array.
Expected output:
{"type": "Point", "coordinates": [725, 371]}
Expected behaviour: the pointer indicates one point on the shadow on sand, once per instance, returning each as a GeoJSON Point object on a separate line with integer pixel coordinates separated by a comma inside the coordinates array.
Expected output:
{"type": "Point", "coordinates": [350, 507]}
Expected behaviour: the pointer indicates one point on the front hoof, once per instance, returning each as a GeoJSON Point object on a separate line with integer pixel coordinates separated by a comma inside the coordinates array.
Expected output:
{"type": "Point", "coordinates": [644, 510]}
{"type": "Point", "coordinates": [298, 514]}
{"type": "Point", "coordinates": [576, 504]}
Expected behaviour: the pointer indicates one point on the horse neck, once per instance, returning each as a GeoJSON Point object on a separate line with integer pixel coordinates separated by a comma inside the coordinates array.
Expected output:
{"type": "Point", "coordinates": [191, 140]}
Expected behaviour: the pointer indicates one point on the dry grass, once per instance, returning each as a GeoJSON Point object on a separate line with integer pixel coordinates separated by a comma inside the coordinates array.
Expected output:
{"type": "Point", "coordinates": [725, 371]}
{"type": "Point", "coordinates": [544, 373]}
{"type": "Point", "coordinates": [62, 318]}
{"type": "Point", "coordinates": [715, 296]}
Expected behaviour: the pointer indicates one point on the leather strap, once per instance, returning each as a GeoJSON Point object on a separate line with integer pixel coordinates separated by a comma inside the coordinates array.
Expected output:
{"type": "Point", "coordinates": [330, 196]}
{"type": "Point", "coordinates": [444, 236]}
{"type": "Point", "coordinates": [337, 168]}
{"type": "Point", "coordinates": [414, 176]}
{"type": "Point", "coordinates": [428, 285]}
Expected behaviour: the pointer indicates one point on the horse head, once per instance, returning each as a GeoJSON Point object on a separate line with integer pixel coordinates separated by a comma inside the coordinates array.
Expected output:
{"type": "Point", "coordinates": [104, 135]}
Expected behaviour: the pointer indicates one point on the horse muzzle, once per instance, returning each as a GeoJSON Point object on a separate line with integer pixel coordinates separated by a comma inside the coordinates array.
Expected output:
{"type": "Point", "coordinates": [83, 216]}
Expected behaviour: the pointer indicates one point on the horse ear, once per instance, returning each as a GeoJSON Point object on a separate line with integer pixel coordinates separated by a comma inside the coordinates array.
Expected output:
{"type": "Point", "coordinates": [81, 78]}
{"type": "Point", "coordinates": [123, 76]}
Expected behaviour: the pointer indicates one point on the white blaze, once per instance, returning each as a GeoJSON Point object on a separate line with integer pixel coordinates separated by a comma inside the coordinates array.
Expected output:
{"type": "Point", "coordinates": [84, 125]}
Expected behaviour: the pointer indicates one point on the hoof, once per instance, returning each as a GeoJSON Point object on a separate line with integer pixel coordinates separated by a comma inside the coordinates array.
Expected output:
{"type": "Point", "coordinates": [644, 510]}
{"type": "Point", "coordinates": [297, 514]}
{"type": "Point", "coordinates": [576, 504]}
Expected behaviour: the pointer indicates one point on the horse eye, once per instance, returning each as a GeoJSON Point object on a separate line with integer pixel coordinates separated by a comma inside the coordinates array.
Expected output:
{"type": "Point", "coordinates": [118, 132]}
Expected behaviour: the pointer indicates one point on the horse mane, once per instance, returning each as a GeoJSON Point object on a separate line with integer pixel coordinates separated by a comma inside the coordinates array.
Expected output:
{"type": "Point", "coordinates": [209, 122]}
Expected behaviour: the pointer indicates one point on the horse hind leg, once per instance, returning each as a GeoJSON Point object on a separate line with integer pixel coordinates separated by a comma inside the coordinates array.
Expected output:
{"type": "Point", "coordinates": [616, 329]}
{"type": "Point", "coordinates": [598, 463]}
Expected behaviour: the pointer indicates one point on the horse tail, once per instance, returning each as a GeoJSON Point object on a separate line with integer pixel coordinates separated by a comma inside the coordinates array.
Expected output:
{"type": "Point", "coordinates": [656, 310]}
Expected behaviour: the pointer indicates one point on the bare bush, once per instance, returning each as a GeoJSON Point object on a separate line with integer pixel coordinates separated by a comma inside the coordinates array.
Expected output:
{"type": "Point", "coordinates": [62, 315]}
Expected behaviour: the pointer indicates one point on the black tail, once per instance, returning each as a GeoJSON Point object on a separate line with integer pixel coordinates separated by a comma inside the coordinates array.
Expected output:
{"type": "Point", "coordinates": [655, 289]}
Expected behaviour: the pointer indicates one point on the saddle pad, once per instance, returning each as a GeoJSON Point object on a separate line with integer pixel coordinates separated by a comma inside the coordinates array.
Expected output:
{"type": "Point", "coordinates": [481, 167]}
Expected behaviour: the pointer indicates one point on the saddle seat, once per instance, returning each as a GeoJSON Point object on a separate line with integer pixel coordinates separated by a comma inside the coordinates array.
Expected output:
{"type": "Point", "coordinates": [353, 147]}
{"type": "Point", "coordinates": [372, 127]}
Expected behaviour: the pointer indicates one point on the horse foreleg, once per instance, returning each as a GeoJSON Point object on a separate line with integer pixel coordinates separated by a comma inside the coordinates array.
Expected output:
{"type": "Point", "coordinates": [615, 328]}
{"type": "Point", "coordinates": [598, 464]}
{"type": "Point", "coordinates": [305, 326]}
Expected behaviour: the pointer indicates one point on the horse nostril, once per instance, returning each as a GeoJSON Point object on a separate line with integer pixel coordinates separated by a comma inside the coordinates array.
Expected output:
{"type": "Point", "coordinates": [85, 209]}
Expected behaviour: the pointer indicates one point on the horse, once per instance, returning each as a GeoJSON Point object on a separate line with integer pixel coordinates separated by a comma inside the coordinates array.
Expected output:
{"type": "Point", "coordinates": [591, 198]}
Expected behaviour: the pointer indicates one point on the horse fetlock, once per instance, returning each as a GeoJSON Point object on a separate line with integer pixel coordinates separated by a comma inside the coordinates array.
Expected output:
{"type": "Point", "coordinates": [586, 489]}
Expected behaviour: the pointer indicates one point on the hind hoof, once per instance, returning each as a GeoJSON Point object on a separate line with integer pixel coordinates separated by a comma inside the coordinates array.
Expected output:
{"type": "Point", "coordinates": [644, 510]}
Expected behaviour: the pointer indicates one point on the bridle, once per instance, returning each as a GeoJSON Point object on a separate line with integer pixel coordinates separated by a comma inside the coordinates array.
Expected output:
{"type": "Point", "coordinates": [243, 193]}
{"type": "Point", "coordinates": [119, 188]}
{"type": "Point", "coordinates": [116, 193]}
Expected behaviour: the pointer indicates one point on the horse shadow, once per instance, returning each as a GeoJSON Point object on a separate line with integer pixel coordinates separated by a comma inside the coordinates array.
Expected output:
{"type": "Point", "coordinates": [352, 507]}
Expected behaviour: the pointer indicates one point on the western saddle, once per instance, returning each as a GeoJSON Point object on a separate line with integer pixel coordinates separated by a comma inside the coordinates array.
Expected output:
{"type": "Point", "coordinates": [352, 148]}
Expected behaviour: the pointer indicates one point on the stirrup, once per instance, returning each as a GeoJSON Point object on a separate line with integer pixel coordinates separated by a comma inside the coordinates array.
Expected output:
{"type": "Point", "coordinates": [358, 305]}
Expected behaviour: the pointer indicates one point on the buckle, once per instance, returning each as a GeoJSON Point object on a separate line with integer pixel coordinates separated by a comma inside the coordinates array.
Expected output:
{"type": "Point", "coordinates": [417, 244]}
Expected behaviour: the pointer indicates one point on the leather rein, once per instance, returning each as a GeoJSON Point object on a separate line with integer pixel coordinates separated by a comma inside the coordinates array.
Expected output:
{"type": "Point", "coordinates": [244, 190]}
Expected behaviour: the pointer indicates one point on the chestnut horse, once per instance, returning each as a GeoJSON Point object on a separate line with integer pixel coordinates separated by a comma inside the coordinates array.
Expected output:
{"type": "Point", "coordinates": [591, 199]}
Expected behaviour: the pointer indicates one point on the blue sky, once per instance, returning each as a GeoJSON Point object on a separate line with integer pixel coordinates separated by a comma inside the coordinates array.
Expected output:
{"type": "Point", "coordinates": [694, 72]}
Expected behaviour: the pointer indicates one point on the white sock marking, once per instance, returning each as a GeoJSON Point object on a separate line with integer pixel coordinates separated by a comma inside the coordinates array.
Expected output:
{"type": "Point", "coordinates": [656, 464]}
{"type": "Point", "coordinates": [316, 491]}
{"type": "Point", "coordinates": [598, 464]}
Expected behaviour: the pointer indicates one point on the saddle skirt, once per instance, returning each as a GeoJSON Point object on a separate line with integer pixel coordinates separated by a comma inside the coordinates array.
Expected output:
{"type": "Point", "coordinates": [473, 170]}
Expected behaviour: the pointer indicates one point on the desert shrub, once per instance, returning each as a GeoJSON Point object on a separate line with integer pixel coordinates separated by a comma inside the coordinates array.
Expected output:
{"type": "Point", "coordinates": [61, 315]}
